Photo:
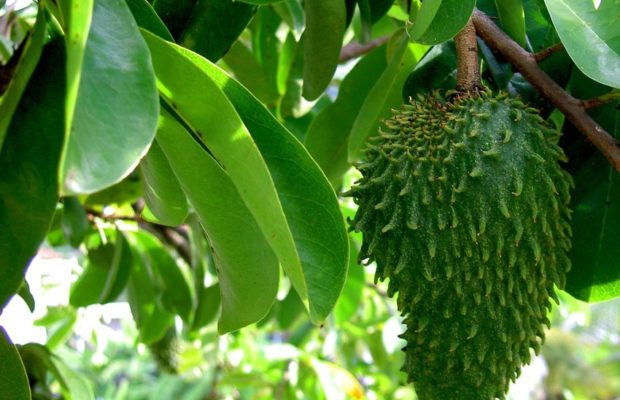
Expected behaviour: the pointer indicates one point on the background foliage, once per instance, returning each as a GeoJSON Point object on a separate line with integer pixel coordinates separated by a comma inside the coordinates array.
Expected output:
{"type": "Point", "coordinates": [190, 156]}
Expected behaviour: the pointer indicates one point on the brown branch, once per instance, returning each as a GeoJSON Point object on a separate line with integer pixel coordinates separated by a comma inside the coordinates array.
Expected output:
{"type": "Point", "coordinates": [545, 53]}
{"type": "Point", "coordinates": [600, 100]}
{"type": "Point", "coordinates": [570, 106]}
{"type": "Point", "coordinates": [468, 67]}
{"type": "Point", "coordinates": [356, 49]}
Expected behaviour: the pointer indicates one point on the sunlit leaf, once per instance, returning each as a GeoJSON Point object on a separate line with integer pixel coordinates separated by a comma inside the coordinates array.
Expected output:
{"type": "Point", "coordinates": [117, 106]}
{"type": "Point", "coordinates": [591, 36]}
{"type": "Point", "coordinates": [450, 18]}
{"type": "Point", "coordinates": [247, 267]}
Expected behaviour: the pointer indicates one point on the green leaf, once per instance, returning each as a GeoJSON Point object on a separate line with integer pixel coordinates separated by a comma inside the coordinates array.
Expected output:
{"type": "Point", "coordinates": [437, 70]}
{"type": "Point", "coordinates": [247, 267]}
{"type": "Point", "coordinates": [117, 95]}
{"type": "Point", "coordinates": [128, 190]}
{"type": "Point", "coordinates": [309, 203]}
{"type": "Point", "coordinates": [349, 301]}
{"type": "Point", "coordinates": [13, 380]}
{"type": "Point", "coordinates": [26, 295]}
{"type": "Point", "coordinates": [25, 67]}
{"type": "Point", "coordinates": [512, 18]}
{"type": "Point", "coordinates": [77, 18]}
{"type": "Point", "coordinates": [590, 35]}
{"type": "Point", "coordinates": [74, 221]}
{"type": "Point", "coordinates": [337, 382]}
{"type": "Point", "coordinates": [241, 61]}
{"type": "Point", "coordinates": [325, 25]}
{"type": "Point", "coordinates": [328, 134]}
{"type": "Point", "coordinates": [385, 94]}
{"type": "Point", "coordinates": [29, 164]}
{"type": "Point", "coordinates": [74, 385]}
{"type": "Point", "coordinates": [289, 310]}
{"type": "Point", "coordinates": [214, 25]}
{"type": "Point", "coordinates": [147, 18]}
{"type": "Point", "coordinates": [169, 279]}
{"type": "Point", "coordinates": [200, 103]}
{"type": "Point", "coordinates": [208, 306]}
{"type": "Point", "coordinates": [424, 17]}
{"type": "Point", "coordinates": [174, 13]}
{"type": "Point", "coordinates": [163, 195]}
{"type": "Point", "coordinates": [595, 255]}
{"type": "Point", "coordinates": [450, 18]}
{"type": "Point", "coordinates": [151, 319]}
{"type": "Point", "coordinates": [106, 272]}
{"type": "Point", "coordinates": [260, 2]}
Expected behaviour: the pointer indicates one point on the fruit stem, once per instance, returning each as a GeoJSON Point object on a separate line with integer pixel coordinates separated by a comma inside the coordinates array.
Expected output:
{"type": "Point", "coordinates": [468, 67]}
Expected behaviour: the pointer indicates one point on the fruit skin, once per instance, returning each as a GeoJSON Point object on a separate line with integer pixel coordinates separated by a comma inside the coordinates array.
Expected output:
{"type": "Point", "coordinates": [464, 206]}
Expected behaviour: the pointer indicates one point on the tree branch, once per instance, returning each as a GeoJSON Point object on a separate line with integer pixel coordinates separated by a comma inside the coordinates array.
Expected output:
{"type": "Point", "coordinates": [600, 100]}
{"type": "Point", "coordinates": [468, 67]}
{"type": "Point", "coordinates": [545, 53]}
{"type": "Point", "coordinates": [356, 49]}
{"type": "Point", "coordinates": [526, 63]}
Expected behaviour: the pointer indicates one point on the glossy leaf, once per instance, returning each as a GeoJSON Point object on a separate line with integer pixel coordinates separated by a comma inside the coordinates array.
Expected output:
{"type": "Point", "coordinates": [450, 18]}
{"type": "Point", "coordinates": [117, 106]}
{"type": "Point", "coordinates": [25, 67]}
{"type": "Point", "coordinates": [595, 255]}
{"type": "Point", "coordinates": [591, 36]}
{"type": "Point", "coordinates": [196, 98]}
{"type": "Point", "coordinates": [147, 18]}
{"type": "Point", "coordinates": [163, 195]}
{"type": "Point", "coordinates": [309, 204]}
{"type": "Point", "coordinates": [214, 25]}
{"type": "Point", "coordinates": [13, 380]}
{"type": "Point", "coordinates": [260, 2]}
{"type": "Point", "coordinates": [247, 267]}
{"type": "Point", "coordinates": [385, 94]}
{"type": "Point", "coordinates": [328, 134]}
{"type": "Point", "coordinates": [325, 25]}
{"type": "Point", "coordinates": [512, 18]}
{"type": "Point", "coordinates": [29, 164]}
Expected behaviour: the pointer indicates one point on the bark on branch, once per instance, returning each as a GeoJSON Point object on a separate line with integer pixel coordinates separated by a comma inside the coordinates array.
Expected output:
{"type": "Point", "coordinates": [526, 63]}
{"type": "Point", "coordinates": [468, 67]}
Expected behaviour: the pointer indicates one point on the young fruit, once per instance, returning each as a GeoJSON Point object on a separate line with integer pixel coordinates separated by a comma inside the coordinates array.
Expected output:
{"type": "Point", "coordinates": [463, 205]}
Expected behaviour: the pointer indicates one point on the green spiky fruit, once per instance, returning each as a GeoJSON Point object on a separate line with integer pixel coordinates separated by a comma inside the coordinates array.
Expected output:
{"type": "Point", "coordinates": [463, 205]}
{"type": "Point", "coordinates": [165, 352]}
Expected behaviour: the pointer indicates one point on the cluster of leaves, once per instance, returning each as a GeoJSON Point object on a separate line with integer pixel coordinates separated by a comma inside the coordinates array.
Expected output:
{"type": "Point", "coordinates": [191, 150]}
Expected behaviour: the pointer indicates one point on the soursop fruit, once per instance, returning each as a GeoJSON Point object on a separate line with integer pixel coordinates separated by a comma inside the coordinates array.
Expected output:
{"type": "Point", "coordinates": [464, 206]}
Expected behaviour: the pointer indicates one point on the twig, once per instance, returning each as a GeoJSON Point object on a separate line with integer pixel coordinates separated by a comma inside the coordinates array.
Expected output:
{"type": "Point", "coordinates": [174, 237]}
{"type": "Point", "coordinates": [545, 53]}
{"type": "Point", "coordinates": [468, 67]}
{"type": "Point", "coordinates": [527, 65]}
{"type": "Point", "coordinates": [600, 100]}
{"type": "Point", "coordinates": [356, 49]}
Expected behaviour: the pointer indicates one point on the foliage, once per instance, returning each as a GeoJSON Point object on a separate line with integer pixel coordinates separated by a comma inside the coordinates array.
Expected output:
{"type": "Point", "coordinates": [192, 154]}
